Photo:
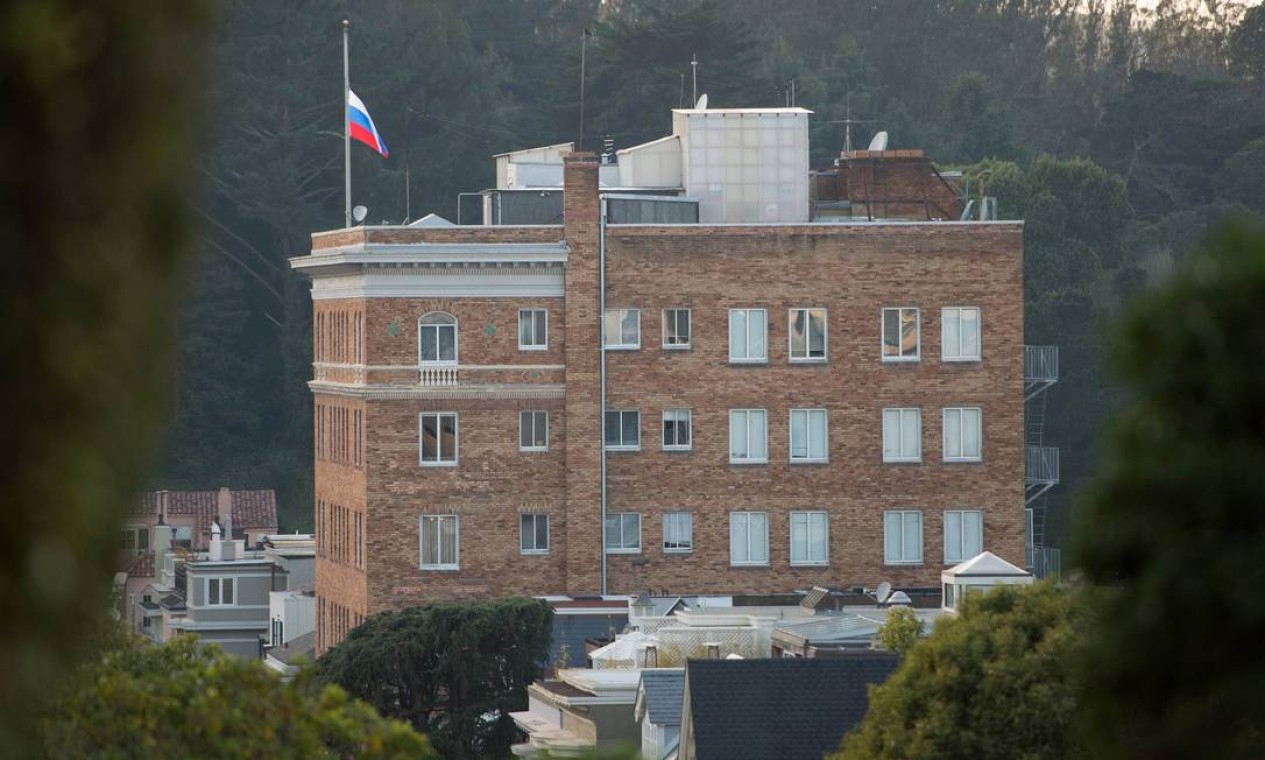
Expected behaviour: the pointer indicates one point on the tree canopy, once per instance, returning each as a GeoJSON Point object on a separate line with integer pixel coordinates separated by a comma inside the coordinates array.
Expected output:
{"type": "Point", "coordinates": [182, 699]}
{"type": "Point", "coordinates": [1172, 530]}
{"type": "Point", "coordinates": [453, 670]}
{"type": "Point", "coordinates": [994, 681]}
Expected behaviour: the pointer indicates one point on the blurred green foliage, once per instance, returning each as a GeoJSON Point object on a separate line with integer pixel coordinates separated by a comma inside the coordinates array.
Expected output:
{"type": "Point", "coordinates": [901, 631]}
{"type": "Point", "coordinates": [993, 682]}
{"type": "Point", "coordinates": [1173, 530]}
{"type": "Point", "coordinates": [95, 159]}
{"type": "Point", "coordinates": [445, 668]}
{"type": "Point", "coordinates": [182, 699]}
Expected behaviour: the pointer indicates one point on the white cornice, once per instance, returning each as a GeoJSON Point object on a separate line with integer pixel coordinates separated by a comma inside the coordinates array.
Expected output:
{"type": "Point", "coordinates": [424, 281]}
{"type": "Point", "coordinates": [405, 392]}
{"type": "Point", "coordinates": [352, 257]}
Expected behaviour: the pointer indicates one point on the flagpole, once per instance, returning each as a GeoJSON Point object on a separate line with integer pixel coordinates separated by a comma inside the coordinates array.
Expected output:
{"type": "Point", "coordinates": [346, 132]}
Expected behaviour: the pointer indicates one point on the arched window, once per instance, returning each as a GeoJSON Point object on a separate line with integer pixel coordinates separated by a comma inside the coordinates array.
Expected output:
{"type": "Point", "coordinates": [437, 339]}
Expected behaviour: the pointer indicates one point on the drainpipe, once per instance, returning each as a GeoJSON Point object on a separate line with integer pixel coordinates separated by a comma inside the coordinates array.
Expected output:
{"type": "Point", "coordinates": [601, 339]}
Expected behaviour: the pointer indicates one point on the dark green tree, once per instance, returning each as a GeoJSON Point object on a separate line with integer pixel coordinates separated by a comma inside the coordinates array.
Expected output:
{"type": "Point", "coordinates": [445, 668]}
{"type": "Point", "coordinates": [994, 681]}
{"type": "Point", "coordinates": [1173, 530]}
{"type": "Point", "coordinates": [179, 699]}
{"type": "Point", "coordinates": [1247, 45]}
{"type": "Point", "coordinates": [1240, 177]}
{"type": "Point", "coordinates": [94, 162]}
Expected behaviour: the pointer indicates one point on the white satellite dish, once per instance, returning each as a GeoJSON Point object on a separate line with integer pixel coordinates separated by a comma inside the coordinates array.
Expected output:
{"type": "Point", "coordinates": [879, 143]}
{"type": "Point", "coordinates": [358, 213]}
{"type": "Point", "coordinates": [883, 591]}
{"type": "Point", "coordinates": [702, 102]}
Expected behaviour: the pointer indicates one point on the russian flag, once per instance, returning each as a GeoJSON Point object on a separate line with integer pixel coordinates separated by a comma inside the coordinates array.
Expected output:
{"type": "Point", "coordinates": [361, 126]}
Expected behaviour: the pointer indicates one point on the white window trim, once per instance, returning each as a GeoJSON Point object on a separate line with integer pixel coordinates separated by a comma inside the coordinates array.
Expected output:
{"type": "Point", "coordinates": [622, 346]}
{"type": "Point", "coordinates": [622, 550]}
{"type": "Point", "coordinates": [663, 317]}
{"type": "Point", "coordinates": [979, 340]}
{"type": "Point", "coordinates": [689, 422]}
{"type": "Point", "coordinates": [548, 538]}
{"type": "Point", "coordinates": [764, 359]}
{"type": "Point", "coordinates": [790, 437]}
{"type": "Point", "coordinates": [623, 446]}
{"type": "Point", "coordinates": [944, 433]}
{"type": "Point", "coordinates": [947, 512]}
{"type": "Point", "coordinates": [922, 528]}
{"type": "Point", "coordinates": [456, 540]}
{"type": "Point", "coordinates": [678, 550]}
{"type": "Point", "coordinates": [750, 460]}
{"type": "Point", "coordinates": [456, 341]}
{"type": "Point", "coordinates": [206, 591]}
{"type": "Point", "coordinates": [825, 335]}
{"type": "Point", "coordinates": [917, 357]}
{"type": "Point", "coordinates": [748, 563]}
{"type": "Point", "coordinates": [900, 459]}
{"type": "Point", "coordinates": [522, 412]}
{"type": "Point", "coordinates": [456, 440]}
{"type": "Point", "coordinates": [542, 347]}
{"type": "Point", "coordinates": [790, 534]}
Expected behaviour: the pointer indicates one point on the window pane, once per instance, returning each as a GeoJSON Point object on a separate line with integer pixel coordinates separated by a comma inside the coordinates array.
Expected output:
{"type": "Point", "coordinates": [911, 545]}
{"type": "Point", "coordinates": [817, 333]}
{"type": "Point", "coordinates": [891, 433]}
{"type": "Point", "coordinates": [447, 343]}
{"type": "Point", "coordinates": [953, 536]}
{"type": "Point", "coordinates": [909, 332]}
{"type": "Point", "coordinates": [429, 343]}
{"type": "Point", "coordinates": [226, 589]}
{"type": "Point", "coordinates": [799, 434]}
{"type": "Point", "coordinates": [971, 433]}
{"type": "Point", "coordinates": [738, 435]}
{"type": "Point", "coordinates": [448, 437]}
{"type": "Point", "coordinates": [738, 334]}
{"type": "Point", "coordinates": [953, 433]}
{"type": "Point", "coordinates": [526, 532]}
{"type": "Point", "coordinates": [629, 324]}
{"type": "Point", "coordinates": [430, 437]}
{"type": "Point", "coordinates": [755, 334]}
{"type": "Point", "coordinates": [612, 428]}
{"type": "Point", "coordinates": [213, 591]}
{"type": "Point", "coordinates": [759, 531]}
{"type": "Point", "coordinates": [631, 530]}
{"type": "Point", "coordinates": [630, 434]}
{"type": "Point", "coordinates": [951, 333]}
{"type": "Point", "coordinates": [683, 326]}
{"type": "Point", "coordinates": [448, 540]}
{"type": "Point", "coordinates": [524, 429]}
{"type": "Point", "coordinates": [542, 532]}
{"type": "Point", "coordinates": [972, 535]}
{"type": "Point", "coordinates": [524, 328]}
{"type": "Point", "coordinates": [817, 537]}
{"type": "Point", "coordinates": [799, 339]}
{"type": "Point", "coordinates": [817, 434]}
{"type": "Point", "coordinates": [759, 435]}
{"type": "Point", "coordinates": [891, 537]}
{"type": "Point", "coordinates": [970, 333]}
{"type": "Point", "coordinates": [799, 537]}
{"type": "Point", "coordinates": [909, 424]}
{"type": "Point", "coordinates": [430, 541]}
{"type": "Point", "coordinates": [612, 531]}
{"type": "Point", "coordinates": [738, 538]}
{"type": "Point", "coordinates": [891, 332]}
{"type": "Point", "coordinates": [611, 327]}
{"type": "Point", "coordinates": [540, 334]}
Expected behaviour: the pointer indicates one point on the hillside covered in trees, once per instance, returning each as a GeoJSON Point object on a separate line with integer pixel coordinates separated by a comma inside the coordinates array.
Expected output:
{"type": "Point", "coordinates": [1119, 134]}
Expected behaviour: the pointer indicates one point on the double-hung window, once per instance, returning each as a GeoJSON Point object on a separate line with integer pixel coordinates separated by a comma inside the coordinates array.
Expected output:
{"type": "Point", "coordinates": [533, 431]}
{"type": "Point", "coordinates": [623, 533]}
{"type": "Point", "coordinates": [678, 532]}
{"type": "Point", "coordinates": [962, 435]}
{"type": "Point", "coordinates": [747, 342]}
{"type": "Point", "coordinates": [808, 335]}
{"type": "Point", "coordinates": [219, 591]}
{"type": "Point", "coordinates": [902, 537]}
{"type": "Point", "coordinates": [810, 538]}
{"type": "Point", "coordinates": [439, 542]}
{"type": "Point", "coordinates": [808, 435]}
{"type": "Point", "coordinates": [533, 329]}
{"type": "Point", "coordinates": [622, 329]}
{"type": "Point", "coordinates": [533, 533]}
{"type": "Point", "coordinates": [748, 538]}
{"type": "Point", "coordinates": [623, 431]}
{"type": "Point", "coordinates": [901, 340]}
{"type": "Point", "coordinates": [902, 435]}
{"type": "Point", "coordinates": [438, 433]}
{"type": "Point", "coordinates": [748, 436]}
{"type": "Point", "coordinates": [960, 334]}
{"type": "Point", "coordinates": [437, 339]}
{"type": "Point", "coordinates": [676, 329]}
{"type": "Point", "coordinates": [676, 430]}
{"type": "Point", "coordinates": [963, 535]}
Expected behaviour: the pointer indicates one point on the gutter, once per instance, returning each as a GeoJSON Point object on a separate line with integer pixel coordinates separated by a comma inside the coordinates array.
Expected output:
{"type": "Point", "coordinates": [601, 339]}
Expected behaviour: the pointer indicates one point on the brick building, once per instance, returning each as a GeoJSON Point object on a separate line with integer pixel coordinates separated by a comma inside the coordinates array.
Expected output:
{"type": "Point", "coordinates": [786, 401]}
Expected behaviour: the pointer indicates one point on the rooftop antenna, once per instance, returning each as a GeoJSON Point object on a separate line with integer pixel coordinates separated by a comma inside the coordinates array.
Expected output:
{"type": "Point", "coordinates": [848, 121]}
{"type": "Point", "coordinates": [694, 69]}
{"type": "Point", "coordinates": [358, 213]}
{"type": "Point", "coordinates": [680, 99]}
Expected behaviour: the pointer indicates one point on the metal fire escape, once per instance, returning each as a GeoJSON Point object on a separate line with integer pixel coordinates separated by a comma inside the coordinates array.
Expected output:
{"type": "Point", "coordinates": [1040, 371]}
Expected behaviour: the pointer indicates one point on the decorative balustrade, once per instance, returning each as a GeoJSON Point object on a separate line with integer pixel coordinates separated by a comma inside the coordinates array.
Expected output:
{"type": "Point", "coordinates": [435, 376]}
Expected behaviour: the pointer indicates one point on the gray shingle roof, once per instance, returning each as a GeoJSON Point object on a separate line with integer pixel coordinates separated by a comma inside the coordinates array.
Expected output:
{"type": "Point", "coordinates": [790, 709]}
{"type": "Point", "coordinates": [665, 690]}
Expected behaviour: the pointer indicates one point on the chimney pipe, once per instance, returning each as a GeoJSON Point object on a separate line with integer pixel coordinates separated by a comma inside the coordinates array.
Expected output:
{"type": "Point", "coordinates": [217, 546]}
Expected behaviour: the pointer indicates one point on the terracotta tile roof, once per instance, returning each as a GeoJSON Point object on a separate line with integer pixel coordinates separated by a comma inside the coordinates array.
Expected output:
{"type": "Point", "coordinates": [140, 566]}
{"type": "Point", "coordinates": [252, 510]}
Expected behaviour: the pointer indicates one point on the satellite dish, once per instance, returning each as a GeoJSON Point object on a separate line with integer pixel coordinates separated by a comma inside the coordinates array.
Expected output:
{"type": "Point", "coordinates": [883, 591]}
{"type": "Point", "coordinates": [879, 143]}
{"type": "Point", "coordinates": [702, 102]}
{"type": "Point", "coordinates": [358, 213]}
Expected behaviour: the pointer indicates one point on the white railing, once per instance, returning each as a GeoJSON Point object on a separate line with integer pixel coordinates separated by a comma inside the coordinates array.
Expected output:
{"type": "Point", "coordinates": [437, 376]}
{"type": "Point", "coordinates": [1041, 364]}
{"type": "Point", "coordinates": [1042, 465]}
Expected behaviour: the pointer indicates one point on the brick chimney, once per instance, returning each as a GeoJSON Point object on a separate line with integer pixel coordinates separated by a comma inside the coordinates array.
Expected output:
{"type": "Point", "coordinates": [583, 528]}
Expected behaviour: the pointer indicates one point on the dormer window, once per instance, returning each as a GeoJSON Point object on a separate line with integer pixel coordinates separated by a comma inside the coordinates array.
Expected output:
{"type": "Point", "coordinates": [437, 339]}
